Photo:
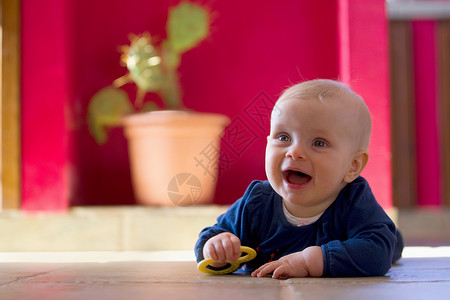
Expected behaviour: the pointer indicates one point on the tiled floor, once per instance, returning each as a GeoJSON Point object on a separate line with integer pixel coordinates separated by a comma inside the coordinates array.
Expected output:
{"type": "Point", "coordinates": [140, 276]}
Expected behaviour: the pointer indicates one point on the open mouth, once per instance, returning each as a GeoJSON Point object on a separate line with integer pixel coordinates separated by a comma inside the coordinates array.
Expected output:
{"type": "Point", "coordinates": [296, 177]}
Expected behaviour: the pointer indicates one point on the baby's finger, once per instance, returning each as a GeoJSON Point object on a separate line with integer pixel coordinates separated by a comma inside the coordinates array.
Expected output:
{"type": "Point", "coordinates": [282, 271]}
{"type": "Point", "coordinates": [255, 273]}
{"type": "Point", "coordinates": [220, 252]}
{"type": "Point", "coordinates": [236, 247]}
{"type": "Point", "coordinates": [210, 252]}
{"type": "Point", "coordinates": [228, 250]}
{"type": "Point", "coordinates": [265, 269]}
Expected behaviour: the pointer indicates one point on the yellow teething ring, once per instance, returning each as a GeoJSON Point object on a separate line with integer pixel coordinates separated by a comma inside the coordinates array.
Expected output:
{"type": "Point", "coordinates": [234, 265]}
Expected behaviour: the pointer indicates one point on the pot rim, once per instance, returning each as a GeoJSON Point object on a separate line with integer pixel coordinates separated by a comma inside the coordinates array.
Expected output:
{"type": "Point", "coordinates": [174, 116]}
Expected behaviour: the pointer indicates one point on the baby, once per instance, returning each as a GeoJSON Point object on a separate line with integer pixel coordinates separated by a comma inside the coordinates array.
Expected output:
{"type": "Point", "coordinates": [315, 216]}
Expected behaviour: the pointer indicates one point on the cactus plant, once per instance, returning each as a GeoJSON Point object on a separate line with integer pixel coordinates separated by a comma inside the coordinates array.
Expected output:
{"type": "Point", "coordinates": [152, 67]}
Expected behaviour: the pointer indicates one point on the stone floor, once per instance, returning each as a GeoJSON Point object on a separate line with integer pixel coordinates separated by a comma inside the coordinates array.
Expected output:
{"type": "Point", "coordinates": [141, 275]}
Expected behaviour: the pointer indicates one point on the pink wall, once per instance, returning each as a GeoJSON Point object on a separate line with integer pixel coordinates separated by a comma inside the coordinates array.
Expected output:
{"type": "Point", "coordinates": [364, 64]}
{"type": "Point", "coordinates": [46, 97]}
{"type": "Point", "coordinates": [256, 49]}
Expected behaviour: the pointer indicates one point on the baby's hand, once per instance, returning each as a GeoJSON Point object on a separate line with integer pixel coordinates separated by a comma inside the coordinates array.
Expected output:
{"type": "Point", "coordinates": [224, 247]}
{"type": "Point", "coordinates": [308, 262]}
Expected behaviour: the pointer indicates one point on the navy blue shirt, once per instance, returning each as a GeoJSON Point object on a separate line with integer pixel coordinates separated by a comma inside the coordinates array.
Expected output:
{"type": "Point", "coordinates": [356, 235]}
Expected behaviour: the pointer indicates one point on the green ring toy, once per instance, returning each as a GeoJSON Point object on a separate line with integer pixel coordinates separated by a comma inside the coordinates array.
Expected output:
{"type": "Point", "coordinates": [234, 265]}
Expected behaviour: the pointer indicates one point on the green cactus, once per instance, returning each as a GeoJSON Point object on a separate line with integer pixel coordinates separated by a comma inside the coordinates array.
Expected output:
{"type": "Point", "coordinates": [106, 109]}
{"type": "Point", "coordinates": [144, 64]}
{"type": "Point", "coordinates": [187, 25]}
{"type": "Point", "coordinates": [152, 67]}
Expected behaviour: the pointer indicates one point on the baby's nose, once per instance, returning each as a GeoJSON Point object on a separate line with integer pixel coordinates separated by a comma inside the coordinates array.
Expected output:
{"type": "Point", "coordinates": [296, 152]}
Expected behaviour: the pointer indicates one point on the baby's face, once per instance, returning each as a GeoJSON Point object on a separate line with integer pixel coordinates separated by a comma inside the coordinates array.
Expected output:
{"type": "Point", "coordinates": [309, 151]}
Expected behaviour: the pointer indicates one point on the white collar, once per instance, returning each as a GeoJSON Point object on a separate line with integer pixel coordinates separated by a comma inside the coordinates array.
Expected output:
{"type": "Point", "coordinates": [299, 221]}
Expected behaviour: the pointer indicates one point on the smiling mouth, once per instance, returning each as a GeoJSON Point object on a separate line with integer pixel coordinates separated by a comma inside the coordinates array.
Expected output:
{"type": "Point", "coordinates": [296, 177]}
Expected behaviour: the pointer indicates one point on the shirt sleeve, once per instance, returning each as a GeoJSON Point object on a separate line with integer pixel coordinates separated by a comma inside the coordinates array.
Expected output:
{"type": "Point", "coordinates": [238, 219]}
{"type": "Point", "coordinates": [370, 238]}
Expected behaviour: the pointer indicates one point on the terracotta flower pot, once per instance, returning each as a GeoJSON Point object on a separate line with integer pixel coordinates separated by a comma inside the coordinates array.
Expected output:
{"type": "Point", "coordinates": [174, 156]}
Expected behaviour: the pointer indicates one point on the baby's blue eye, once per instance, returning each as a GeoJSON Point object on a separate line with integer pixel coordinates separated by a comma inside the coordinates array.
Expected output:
{"type": "Point", "coordinates": [283, 138]}
{"type": "Point", "coordinates": [319, 143]}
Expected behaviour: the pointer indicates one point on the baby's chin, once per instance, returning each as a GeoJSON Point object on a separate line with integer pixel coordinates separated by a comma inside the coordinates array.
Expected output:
{"type": "Point", "coordinates": [289, 196]}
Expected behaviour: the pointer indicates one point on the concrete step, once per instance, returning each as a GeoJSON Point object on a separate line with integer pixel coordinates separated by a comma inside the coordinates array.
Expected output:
{"type": "Point", "coordinates": [141, 228]}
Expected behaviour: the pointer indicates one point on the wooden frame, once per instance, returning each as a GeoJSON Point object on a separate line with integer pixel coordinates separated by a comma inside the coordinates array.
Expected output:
{"type": "Point", "coordinates": [402, 112]}
{"type": "Point", "coordinates": [444, 97]}
{"type": "Point", "coordinates": [10, 101]}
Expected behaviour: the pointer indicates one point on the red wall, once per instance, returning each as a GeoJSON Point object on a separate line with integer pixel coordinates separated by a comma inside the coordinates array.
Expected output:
{"type": "Point", "coordinates": [429, 190]}
{"type": "Point", "coordinates": [256, 48]}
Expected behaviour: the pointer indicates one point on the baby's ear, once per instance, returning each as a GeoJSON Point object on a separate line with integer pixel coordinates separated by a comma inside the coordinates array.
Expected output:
{"type": "Point", "coordinates": [358, 164]}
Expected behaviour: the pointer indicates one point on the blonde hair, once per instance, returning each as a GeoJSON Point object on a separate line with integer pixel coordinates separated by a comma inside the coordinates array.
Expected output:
{"type": "Point", "coordinates": [326, 90]}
